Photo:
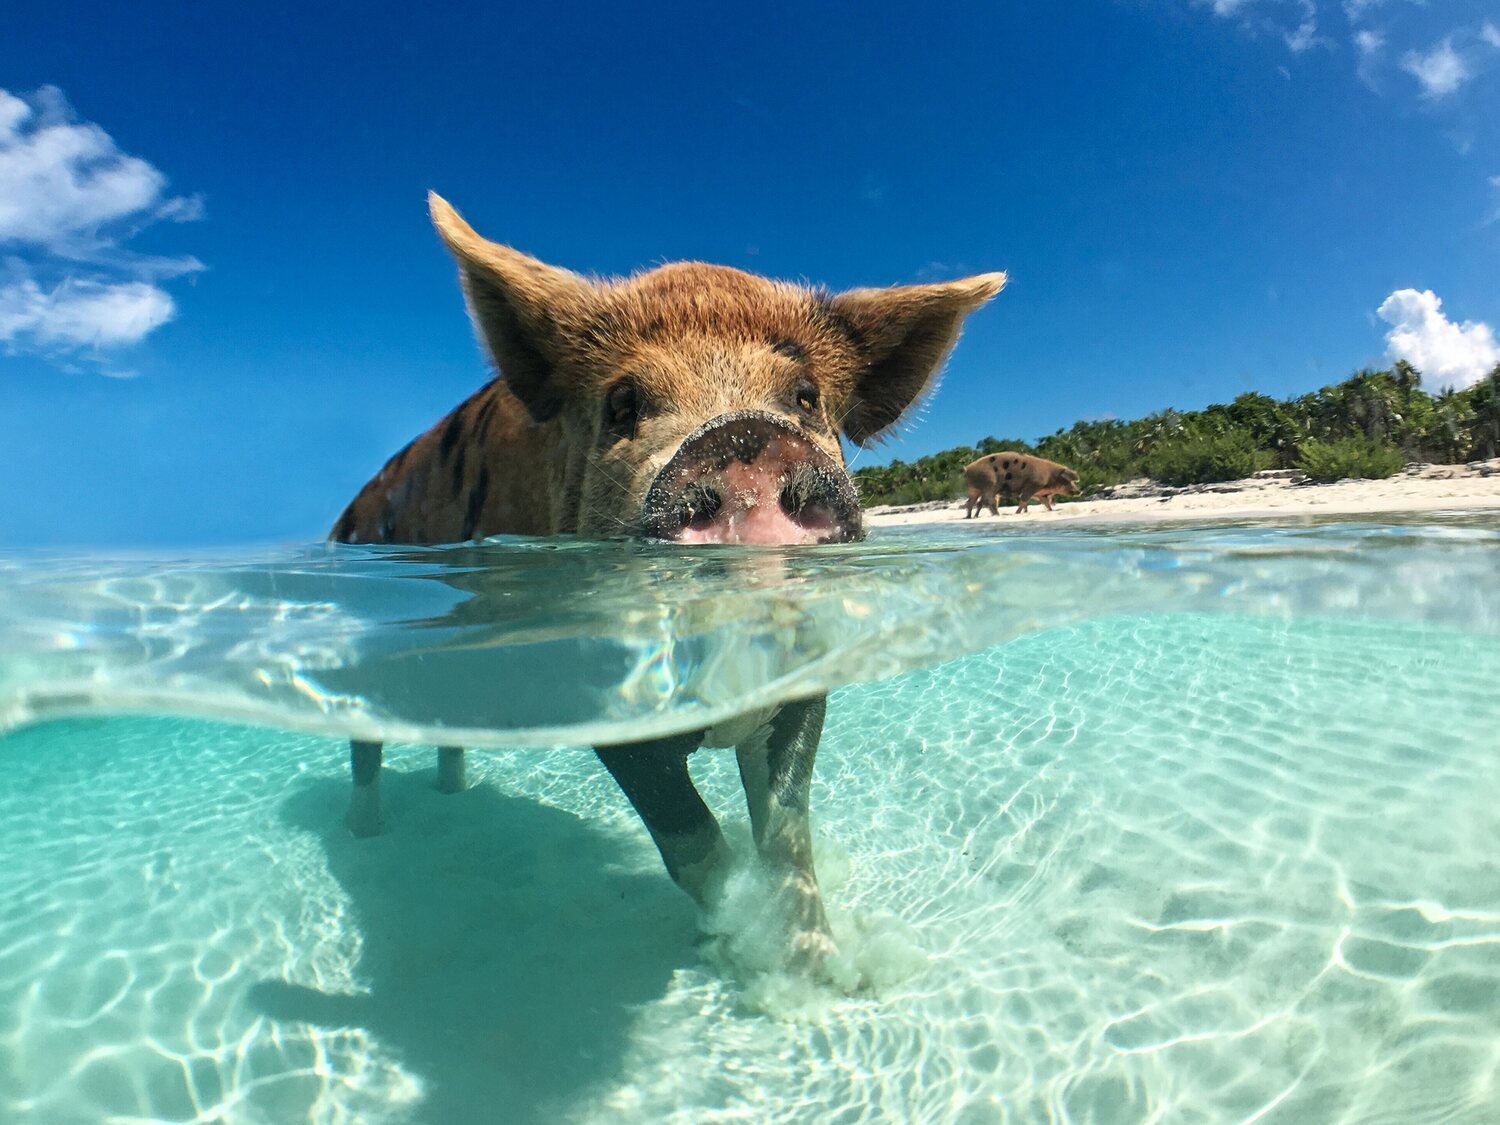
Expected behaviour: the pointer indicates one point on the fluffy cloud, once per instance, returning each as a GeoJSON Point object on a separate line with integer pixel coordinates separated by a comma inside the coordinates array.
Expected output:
{"type": "Point", "coordinates": [1368, 46]}
{"type": "Point", "coordinates": [1441, 70]}
{"type": "Point", "coordinates": [1441, 45]}
{"type": "Point", "coordinates": [1356, 10]}
{"type": "Point", "coordinates": [1447, 354]}
{"type": "Point", "coordinates": [1294, 20]}
{"type": "Point", "coordinates": [1302, 39]}
{"type": "Point", "coordinates": [82, 314]}
{"type": "Point", "coordinates": [70, 200]}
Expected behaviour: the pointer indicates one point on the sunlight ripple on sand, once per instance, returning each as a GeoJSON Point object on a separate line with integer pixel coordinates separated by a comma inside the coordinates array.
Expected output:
{"type": "Point", "coordinates": [1144, 868]}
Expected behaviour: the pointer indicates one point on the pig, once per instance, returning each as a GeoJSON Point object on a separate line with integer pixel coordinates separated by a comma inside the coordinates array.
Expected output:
{"type": "Point", "coordinates": [691, 403]}
{"type": "Point", "coordinates": [1015, 474]}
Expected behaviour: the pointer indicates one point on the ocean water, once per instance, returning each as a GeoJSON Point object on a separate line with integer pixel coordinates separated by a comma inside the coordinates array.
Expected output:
{"type": "Point", "coordinates": [1120, 824]}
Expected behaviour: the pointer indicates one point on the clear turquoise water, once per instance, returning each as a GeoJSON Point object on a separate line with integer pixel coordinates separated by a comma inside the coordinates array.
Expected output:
{"type": "Point", "coordinates": [1192, 825]}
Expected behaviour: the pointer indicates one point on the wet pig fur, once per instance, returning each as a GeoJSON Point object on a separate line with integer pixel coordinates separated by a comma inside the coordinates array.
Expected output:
{"type": "Point", "coordinates": [692, 403]}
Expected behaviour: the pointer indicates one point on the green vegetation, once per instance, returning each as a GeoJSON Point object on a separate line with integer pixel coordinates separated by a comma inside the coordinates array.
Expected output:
{"type": "Point", "coordinates": [1369, 425]}
{"type": "Point", "coordinates": [1203, 458]}
{"type": "Point", "coordinates": [1357, 457]}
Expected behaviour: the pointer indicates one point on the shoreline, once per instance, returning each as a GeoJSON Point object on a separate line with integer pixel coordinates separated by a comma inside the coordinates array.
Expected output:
{"type": "Point", "coordinates": [1276, 492]}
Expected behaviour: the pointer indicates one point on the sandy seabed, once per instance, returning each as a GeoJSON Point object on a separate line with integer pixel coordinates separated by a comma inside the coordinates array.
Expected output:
{"type": "Point", "coordinates": [1185, 868]}
{"type": "Point", "coordinates": [1272, 493]}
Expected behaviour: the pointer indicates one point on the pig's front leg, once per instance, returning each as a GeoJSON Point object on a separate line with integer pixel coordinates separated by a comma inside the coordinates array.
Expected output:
{"type": "Point", "coordinates": [655, 778]}
{"type": "Point", "coordinates": [776, 766]}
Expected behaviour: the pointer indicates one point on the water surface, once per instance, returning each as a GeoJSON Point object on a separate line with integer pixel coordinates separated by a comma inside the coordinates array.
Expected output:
{"type": "Point", "coordinates": [1180, 824]}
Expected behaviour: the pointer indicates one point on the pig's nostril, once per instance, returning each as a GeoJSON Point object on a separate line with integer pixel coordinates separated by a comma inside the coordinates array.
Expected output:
{"type": "Point", "coordinates": [698, 506]}
{"type": "Point", "coordinates": [805, 501]}
{"type": "Point", "coordinates": [750, 478]}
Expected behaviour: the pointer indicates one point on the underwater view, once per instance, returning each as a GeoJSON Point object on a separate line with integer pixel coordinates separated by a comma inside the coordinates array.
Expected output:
{"type": "Point", "coordinates": [1114, 824]}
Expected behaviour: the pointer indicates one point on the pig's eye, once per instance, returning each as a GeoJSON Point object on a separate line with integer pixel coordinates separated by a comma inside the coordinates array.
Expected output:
{"type": "Point", "coordinates": [789, 348]}
{"type": "Point", "coordinates": [622, 410]}
{"type": "Point", "coordinates": [807, 395]}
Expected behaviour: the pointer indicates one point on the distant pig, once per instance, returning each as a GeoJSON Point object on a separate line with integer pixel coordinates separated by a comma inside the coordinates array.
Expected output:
{"type": "Point", "coordinates": [691, 403]}
{"type": "Point", "coordinates": [1015, 474]}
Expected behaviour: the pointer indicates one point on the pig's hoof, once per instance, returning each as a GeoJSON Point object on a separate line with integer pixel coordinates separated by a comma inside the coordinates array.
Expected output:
{"type": "Point", "coordinates": [362, 824]}
{"type": "Point", "coordinates": [811, 951]}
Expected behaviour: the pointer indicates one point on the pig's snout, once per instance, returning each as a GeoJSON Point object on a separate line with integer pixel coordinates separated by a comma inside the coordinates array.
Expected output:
{"type": "Point", "coordinates": [750, 477]}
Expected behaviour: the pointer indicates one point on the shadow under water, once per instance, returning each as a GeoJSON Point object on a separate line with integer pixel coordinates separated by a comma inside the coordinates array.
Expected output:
{"type": "Point", "coordinates": [484, 947]}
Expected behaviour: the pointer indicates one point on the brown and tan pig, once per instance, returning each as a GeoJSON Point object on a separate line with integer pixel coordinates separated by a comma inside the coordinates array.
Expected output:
{"type": "Point", "coordinates": [1015, 474]}
{"type": "Point", "coordinates": [692, 403]}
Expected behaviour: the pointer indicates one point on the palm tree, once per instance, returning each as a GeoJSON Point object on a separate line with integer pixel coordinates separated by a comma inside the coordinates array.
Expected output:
{"type": "Point", "coordinates": [1406, 376]}
{"type": "Point", "coordinates": [1452, 417]}
{"type": "Point", "coordinates": [1484, 400]}
{"type": "Point", "coordinates": [1157, 429]}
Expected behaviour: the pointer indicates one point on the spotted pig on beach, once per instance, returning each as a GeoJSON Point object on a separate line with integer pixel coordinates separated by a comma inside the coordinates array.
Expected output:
{"type": "Point", "coordinates": [1015, 474]}
{"type": "Point", "coordinates": [691, 403]}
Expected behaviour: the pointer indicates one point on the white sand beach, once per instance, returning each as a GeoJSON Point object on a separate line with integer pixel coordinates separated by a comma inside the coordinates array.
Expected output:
{"type": "Point", "coordinates": [1281, 492]}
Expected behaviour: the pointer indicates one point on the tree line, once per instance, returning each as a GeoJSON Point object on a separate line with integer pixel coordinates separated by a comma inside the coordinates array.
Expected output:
{"type": "Point", "coordinates": [1370, 425]}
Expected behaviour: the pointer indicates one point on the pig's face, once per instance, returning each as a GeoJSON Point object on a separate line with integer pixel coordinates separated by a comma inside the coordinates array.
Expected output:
{"type": "Point", "coordinates": [703, 404]}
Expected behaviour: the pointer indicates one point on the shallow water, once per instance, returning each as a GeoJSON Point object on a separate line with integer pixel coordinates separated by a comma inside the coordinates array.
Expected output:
{"type": "Point", "coordinates": [1201, 827]}
{"type": "Point", "coordinates": [535, 642]}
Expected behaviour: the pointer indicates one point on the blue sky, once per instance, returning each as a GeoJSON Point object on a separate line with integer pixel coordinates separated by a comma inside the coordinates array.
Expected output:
{"type": "Point", "coordinates": [221, 304]}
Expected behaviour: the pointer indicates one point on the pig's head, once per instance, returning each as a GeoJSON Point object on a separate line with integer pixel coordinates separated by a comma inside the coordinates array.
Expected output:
{"type": "Point", "coordinates": [702, 404]}
{"type": "Point", "coordinates": [1067, 481]}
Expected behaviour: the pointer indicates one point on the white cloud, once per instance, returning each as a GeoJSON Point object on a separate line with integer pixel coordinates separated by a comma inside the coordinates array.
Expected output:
{"type": "Point", "coordinates": [1298, 28]}
{"type": "Point", "coordinates": [82, 313]}
{"type": "Point", "coordinates": [1381, 34]}
{"type": "Point", "coordinates": [13, 111]}
{"type": "Point", "coordinates": [1447, 354]}
{"type": "Point", "coordinates": [62, 182]}
{"type": "Point", "coordinates": [1305, 37]}
{"type": "Point", "coordinates": [70, 200]}
{"type": "Point", "coordinates": [1355, 9]}
{"type": "Point", "coordinates": [1441, 70]}
{"type": "Point", "coordinates": [1369, 46]}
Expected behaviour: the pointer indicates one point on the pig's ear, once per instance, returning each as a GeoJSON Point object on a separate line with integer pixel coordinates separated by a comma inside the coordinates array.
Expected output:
{"type": "Point", "coordinates": [904, 333]}
{"type": "Point", "coordinates": [521, 308]}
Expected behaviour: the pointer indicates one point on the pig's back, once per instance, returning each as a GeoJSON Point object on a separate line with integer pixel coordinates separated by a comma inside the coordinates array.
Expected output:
{"type": "Point", "coordinates": [483, 470]}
